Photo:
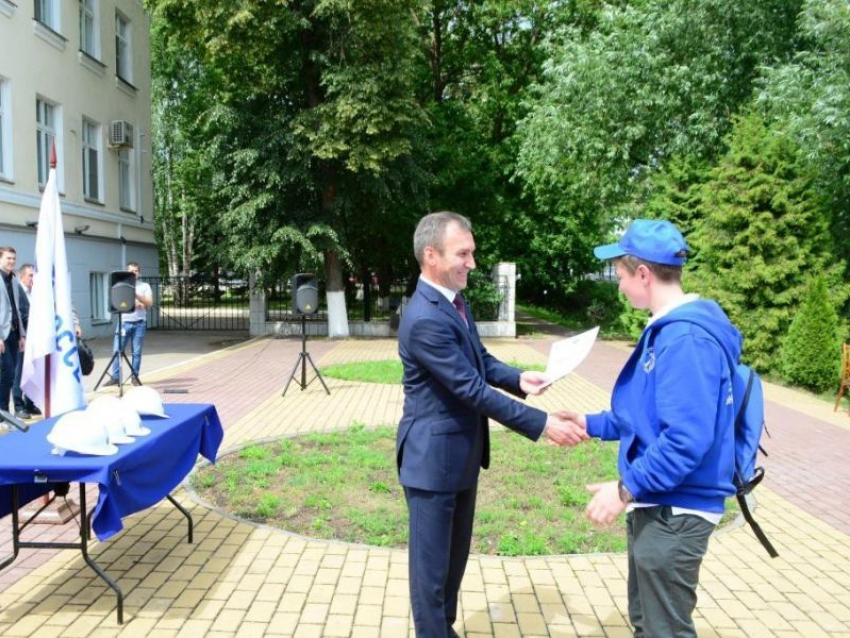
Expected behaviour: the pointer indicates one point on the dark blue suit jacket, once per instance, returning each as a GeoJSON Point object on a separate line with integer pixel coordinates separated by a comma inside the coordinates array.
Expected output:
{"type": "Point", "coordinates": [443, 437]}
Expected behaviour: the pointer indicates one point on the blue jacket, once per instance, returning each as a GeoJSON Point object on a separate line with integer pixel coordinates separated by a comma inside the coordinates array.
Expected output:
{"type": "Point", "coordinates": [672, 410]}
{"type": "Point", "coordinates": [443, 437]}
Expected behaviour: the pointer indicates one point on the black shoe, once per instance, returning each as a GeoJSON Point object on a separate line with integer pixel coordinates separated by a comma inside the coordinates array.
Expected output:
{"type": "Point", "coordinates": [135, 380]}
{"type": "Point", "coordinates": [34, 411]}
{"type": "Point", "coordinates": [22, 414]}
{"type": "Point", "coordinates": [453, 633]}
{"type": "Point", "coordinates": [110, 380]}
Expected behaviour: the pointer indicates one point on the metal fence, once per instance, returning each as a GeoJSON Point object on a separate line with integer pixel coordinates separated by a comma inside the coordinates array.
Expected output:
{"type": "Point", "coordinates": [199, 303]}
{"type": "Point", "coordinates": [207, 303]}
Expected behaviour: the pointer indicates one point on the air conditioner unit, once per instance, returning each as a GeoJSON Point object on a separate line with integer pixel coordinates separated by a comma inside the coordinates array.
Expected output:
{"type": "Point", "coordinates": [120, 134]}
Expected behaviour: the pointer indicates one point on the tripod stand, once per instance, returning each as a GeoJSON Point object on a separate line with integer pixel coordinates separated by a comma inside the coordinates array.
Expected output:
{"type": "Point", "coordinates": [303, 357]}
{"type": "Point", "coordinates": [117, 356]}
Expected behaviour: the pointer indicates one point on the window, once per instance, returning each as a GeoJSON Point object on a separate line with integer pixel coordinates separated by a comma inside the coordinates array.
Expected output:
{"type": "Point", "coordinates": [123, 52]}
{"type": "Point", "coordinates": [126, 184]}
{"type": "Point", "coordinates": [45, 135]}
{"type": "Point", "coordinates": [98, 285]}
{"type": "Point", "coordinates": [91, 160]}
{"type": "Point", "coordinates": [89, 28]}
{"type": "Point", "coordinates": [5, 130]}
{"type": "Point", "coordinates": [47, 12]}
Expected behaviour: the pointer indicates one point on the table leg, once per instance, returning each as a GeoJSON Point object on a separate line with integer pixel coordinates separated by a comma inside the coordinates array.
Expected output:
{"type": "Point", "coordinates": [184, 512]}
{"type": "Point", "coordinates": [15, 531]}
{"type": "Point", "coordinates": [84, 536]}
{"type": "Point", "coordinates": [85, 526]}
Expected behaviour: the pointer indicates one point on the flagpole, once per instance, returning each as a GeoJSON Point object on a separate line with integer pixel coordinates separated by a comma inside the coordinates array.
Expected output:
{"type": "Point", "coordinates": [47, 358]}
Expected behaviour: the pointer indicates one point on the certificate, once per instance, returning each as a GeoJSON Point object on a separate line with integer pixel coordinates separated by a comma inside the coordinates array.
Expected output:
{"type": "Point", "coordinates": [566, 354]}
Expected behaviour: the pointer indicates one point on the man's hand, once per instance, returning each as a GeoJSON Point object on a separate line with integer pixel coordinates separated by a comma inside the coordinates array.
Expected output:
{"type": "Point", "coordinates": [579, 419]}
{"type": "Point", "coordinates": [531, 382]}
{"type": "Point", "coordinates": [605, 506]}
{"type": "Point", "coordinates": [2, 346]}
{"type": "Point", "coordinates": [23, 344]}
{"type": "Point", "coordinates": [562, 432]}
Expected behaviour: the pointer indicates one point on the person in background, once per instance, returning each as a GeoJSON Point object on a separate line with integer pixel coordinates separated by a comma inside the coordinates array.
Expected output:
{"type": "Point", "coordinates": [135, 326]}
{"type": "Point", "coordinates": [12, 329]}
{"type": "Point", "coordinates": [24, 407]}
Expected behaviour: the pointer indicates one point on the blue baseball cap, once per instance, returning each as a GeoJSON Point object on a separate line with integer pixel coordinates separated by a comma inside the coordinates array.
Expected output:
{"type": "Point", "coordinates": [653, 240]}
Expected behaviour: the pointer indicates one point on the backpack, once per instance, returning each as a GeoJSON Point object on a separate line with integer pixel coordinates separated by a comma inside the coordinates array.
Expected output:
{"type": "Point", "coordinates": [748, 401]}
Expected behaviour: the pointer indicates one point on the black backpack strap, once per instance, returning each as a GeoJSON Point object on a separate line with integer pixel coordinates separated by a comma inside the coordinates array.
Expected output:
{"type": "Point", "coordinates": [745, 510]}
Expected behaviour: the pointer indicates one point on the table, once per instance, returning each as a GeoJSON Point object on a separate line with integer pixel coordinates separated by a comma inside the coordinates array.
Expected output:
{"type": "Point", "coordinates": [140, 475]}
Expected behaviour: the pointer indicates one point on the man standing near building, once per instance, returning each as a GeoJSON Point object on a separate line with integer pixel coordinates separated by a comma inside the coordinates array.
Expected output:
{"type": "Point", "coordinates": [134, 325]}
{"type": "Point", "coordinates": [443, 437]}
{"type": "Point", "coordinates": [24, 407]}
{"type": "Point", "coordinates": [12, 330]}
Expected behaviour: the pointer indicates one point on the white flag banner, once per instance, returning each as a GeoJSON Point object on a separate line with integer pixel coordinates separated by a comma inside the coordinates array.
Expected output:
{"type": "Point", "coordinates": [50, 331]}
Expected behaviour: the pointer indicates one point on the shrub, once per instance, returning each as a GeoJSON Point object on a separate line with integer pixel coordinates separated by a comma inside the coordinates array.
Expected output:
{"type": "Point", "coordinates": [483, 296]}
{"type": "Point", "coordinates": [810, 350]}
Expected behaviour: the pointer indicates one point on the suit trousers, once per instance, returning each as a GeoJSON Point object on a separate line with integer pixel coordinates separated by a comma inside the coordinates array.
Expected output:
{"type": "Point", "coordinates": [8, 363]}
{"type": "Point", "coordinates": [438, 548]}
{"type": "Point", "coordinates": [665, 555]}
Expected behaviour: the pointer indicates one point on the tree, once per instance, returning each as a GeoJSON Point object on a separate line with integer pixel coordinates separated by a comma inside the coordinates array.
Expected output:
{"type": "Point", "coordinates": [650, 81]}
{"type": "Point", "coordinates": [810, 351]}
{"type": "Point", "coordinates": [810, 96]}
{"type": "Point", "coordinates": [763, 233]}
{"type": "Point", "coordinates": [309, 94]}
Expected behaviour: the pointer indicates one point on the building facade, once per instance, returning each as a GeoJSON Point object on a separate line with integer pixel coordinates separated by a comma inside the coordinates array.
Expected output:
{"type": "Point", "coordinates": [77, 73]}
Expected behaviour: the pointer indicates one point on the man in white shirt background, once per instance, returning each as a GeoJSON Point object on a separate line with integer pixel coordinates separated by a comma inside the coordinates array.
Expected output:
{"type": "Point", "coordinates": [134, 326]}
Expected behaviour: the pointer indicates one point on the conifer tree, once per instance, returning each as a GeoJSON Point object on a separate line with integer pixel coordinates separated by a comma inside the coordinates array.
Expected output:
{"type": "Point", "coordinates": [762, 234]}
{"type": "Point", "coordinates": [811, 350]}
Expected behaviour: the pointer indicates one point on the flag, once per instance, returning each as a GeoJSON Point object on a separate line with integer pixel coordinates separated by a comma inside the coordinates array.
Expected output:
{"type": "Point", "coordinates": [51, 374]}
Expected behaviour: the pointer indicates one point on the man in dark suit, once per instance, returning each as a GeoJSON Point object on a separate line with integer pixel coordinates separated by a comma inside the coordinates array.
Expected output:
{"type": "Point", "coordinates": [443, 437]}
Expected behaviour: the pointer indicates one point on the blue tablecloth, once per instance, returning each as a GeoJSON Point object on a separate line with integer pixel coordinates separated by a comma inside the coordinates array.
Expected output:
{"type": "Point", "coordinates": [140, 475]}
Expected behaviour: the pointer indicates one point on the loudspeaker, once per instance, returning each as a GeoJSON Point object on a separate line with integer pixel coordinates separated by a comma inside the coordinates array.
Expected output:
{"type": "Point", "coordinates": [122, 291]}
{"type": "Point", "coordinates": [305, 293]}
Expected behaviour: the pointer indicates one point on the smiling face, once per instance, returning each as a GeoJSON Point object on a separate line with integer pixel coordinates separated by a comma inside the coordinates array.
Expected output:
{"type": "Point", "coordinates": [450, 266]}
{"type": "Point", "coordinates": [8, 260]}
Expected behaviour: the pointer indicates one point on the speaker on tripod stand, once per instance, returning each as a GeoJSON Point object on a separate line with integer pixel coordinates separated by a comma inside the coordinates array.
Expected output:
{"type": "Point", "coordinates": [305, 301]}
{"type": "Point", "coordinates": [122, 298]}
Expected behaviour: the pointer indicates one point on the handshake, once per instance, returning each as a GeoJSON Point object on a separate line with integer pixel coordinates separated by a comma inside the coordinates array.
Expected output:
{"type": "Point", "coordinates": [565, 429]}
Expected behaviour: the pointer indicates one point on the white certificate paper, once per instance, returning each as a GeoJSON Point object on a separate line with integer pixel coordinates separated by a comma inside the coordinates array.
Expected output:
{"type": "Point", "coordinates": [566, 354]}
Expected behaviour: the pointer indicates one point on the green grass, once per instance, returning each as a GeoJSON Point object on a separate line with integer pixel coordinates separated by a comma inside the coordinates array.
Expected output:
{"type": "Point", "coordinates": [344, 486]}
{"type": "Point", "coordinates": [389, 371]}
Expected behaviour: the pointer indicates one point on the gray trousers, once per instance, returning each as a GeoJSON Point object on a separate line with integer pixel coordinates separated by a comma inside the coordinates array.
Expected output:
{"type": "Point", "coordinates": [665, 554]}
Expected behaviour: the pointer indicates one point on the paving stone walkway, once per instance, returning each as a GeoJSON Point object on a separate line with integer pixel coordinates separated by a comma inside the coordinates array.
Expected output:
{"type": "Point", "coordinates": [240, 579]}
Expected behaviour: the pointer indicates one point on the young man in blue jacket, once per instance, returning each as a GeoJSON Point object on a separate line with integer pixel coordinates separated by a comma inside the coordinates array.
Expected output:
{"type": "Point", "coordinates": [672, 412]}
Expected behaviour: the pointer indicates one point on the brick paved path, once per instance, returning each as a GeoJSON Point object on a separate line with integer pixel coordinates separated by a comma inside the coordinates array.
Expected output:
{"type": "Point", "coordinates": [240, 579]}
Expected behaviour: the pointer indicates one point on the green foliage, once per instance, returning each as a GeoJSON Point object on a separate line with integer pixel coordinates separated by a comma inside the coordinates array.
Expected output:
{"type": "Point", "coordinates": [810, 96]}
{"type": "Point", "coordinates": [763, 232]}
{"type": "Point", "coordinates": [811, 350]}
{"type": "Point", "coordinates": [651, 80]}
{"type": "Point", "coordinates": [483, 296]}
{"type": "Point", "coordinates": [310, 120]}
{"type": "Point", "coordinates": [631, 321]}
